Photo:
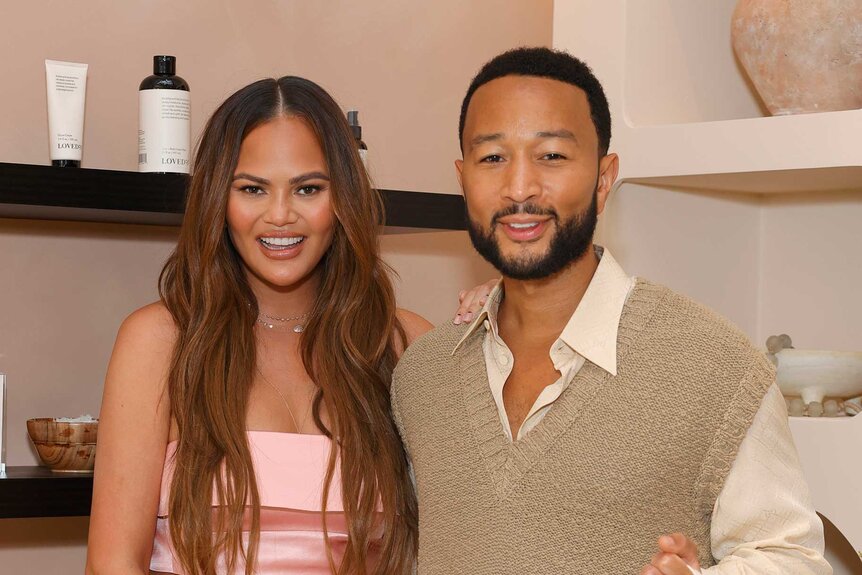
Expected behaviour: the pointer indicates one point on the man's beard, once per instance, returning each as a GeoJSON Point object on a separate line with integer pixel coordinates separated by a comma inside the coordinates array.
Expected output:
{"type": "Point", "coordinates": [571, 241]}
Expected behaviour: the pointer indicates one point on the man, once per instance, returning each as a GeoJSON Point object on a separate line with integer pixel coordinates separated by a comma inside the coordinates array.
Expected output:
{"type": "Point", "coordinates": [585, 414]}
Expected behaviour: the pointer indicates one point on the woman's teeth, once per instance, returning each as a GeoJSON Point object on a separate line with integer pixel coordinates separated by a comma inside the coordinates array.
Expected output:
{"type": "Point", "coordinates": [281, 243]}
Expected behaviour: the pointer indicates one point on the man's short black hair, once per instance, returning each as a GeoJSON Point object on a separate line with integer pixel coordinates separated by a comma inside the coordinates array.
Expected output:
{"type": "Point", "coordinates": [546, 63]}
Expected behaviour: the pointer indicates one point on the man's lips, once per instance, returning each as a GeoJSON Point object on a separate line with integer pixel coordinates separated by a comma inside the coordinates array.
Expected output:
{"type": "Point", "coordinates": [523, 229]}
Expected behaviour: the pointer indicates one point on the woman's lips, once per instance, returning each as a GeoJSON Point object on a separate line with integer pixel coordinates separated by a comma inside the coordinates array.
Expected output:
{"type": "Point", "coordinates": [281, 247]}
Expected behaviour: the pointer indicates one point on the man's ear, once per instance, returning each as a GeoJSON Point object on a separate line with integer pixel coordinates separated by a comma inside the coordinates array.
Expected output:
{"type": "Point", "coordinates": [459, 166]}
{"type": "Point", "coordinates": [609, 167]}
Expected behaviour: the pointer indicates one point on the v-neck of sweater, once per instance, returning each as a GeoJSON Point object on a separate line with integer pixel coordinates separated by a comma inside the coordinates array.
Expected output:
{"type": "Point", "coordinates": [507, 461]}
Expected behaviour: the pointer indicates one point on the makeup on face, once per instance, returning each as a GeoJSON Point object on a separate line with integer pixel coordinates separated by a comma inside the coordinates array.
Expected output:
{"type": "Point", "coordinates": [281, 246]}
{"type": "Point", "coordinates": [279, 212]}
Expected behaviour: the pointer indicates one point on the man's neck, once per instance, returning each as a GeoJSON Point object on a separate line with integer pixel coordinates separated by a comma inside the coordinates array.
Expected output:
{"type": "Point", "coordinates": [542, 308]}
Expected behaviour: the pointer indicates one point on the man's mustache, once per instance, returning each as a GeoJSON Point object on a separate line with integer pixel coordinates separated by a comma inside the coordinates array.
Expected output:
{"type": "Point", "coordinates": [527, 208]}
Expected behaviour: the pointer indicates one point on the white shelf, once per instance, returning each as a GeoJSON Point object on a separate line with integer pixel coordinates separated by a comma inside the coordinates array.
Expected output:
{"type": "Point", "coordinates": [799, 153]}
{"type": "Point", "coordinates": [838, 178]}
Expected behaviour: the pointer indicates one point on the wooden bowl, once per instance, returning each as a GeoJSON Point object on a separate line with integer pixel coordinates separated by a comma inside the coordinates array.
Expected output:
{"type": "Point", "coordinates": [67, 447]}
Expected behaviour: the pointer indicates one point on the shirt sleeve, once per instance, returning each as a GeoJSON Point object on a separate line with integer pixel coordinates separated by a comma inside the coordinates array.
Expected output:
{"type": "Point", "coordinates": [763, 521]}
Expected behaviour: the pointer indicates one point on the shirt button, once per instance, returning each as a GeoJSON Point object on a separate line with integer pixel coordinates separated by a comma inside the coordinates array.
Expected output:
{"type": "Point", "coordinates": [504, 359]}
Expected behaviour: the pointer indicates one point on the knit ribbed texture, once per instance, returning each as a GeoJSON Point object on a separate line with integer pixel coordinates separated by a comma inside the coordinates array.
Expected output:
{"type": "Point", "coordinates": [616, 462]}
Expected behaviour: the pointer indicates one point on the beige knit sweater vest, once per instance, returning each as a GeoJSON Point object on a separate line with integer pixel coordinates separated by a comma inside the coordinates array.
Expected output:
{"type": "Point", "coordinates": [616, 462]}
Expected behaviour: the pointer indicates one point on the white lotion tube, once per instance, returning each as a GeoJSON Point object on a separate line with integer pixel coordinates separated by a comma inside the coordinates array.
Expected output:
{"type": "Point", "coordinates": [67, 89]}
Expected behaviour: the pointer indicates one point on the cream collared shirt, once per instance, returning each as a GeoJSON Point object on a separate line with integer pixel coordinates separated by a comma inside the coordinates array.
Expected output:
{"type": "Point", "coordinates": [763, 520]}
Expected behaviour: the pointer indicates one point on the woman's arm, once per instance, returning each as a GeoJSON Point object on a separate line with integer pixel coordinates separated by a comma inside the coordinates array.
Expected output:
{"type": "Point", "coordinates": [134, 424]}
{"type": "Point", "coordinates": [414, 326]}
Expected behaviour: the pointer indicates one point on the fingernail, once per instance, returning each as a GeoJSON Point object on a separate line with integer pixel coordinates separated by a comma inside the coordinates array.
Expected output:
{"type": "Point", "coordinates": [468, 316]}
{"type": "Point", "coordinates": [457, 320]}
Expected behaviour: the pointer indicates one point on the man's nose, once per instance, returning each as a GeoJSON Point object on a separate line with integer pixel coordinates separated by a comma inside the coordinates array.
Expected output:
{"type": "Point", "coordinates": [522, 180]}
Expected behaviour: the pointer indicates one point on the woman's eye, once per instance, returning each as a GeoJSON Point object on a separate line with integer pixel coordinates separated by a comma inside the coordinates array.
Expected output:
{"type": "Point", "coordinates": [492, 159]}
{"type": "Point", "coordinates": [308, 190]}
{"type": "Point", "coordinates": [253, 190]}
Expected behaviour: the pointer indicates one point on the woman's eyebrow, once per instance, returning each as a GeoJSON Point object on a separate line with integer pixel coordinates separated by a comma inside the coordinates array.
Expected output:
{"type": "Point", "coordinates": [255, 179]}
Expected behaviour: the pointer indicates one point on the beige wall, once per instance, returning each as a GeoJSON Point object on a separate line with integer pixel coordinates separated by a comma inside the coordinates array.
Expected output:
{"type": "Point", "coordinates": [811, 270]}
{"type": "Point", "coordinates": [779, 263]}
{"type": "Point", "coordinates": [65, 287]}
{"type": "Point", "coordinates": [404, 65]}
{"type": "Point", "coordinates": [699, 243]}
{"type": "Point", "coordinates": [691, 75]}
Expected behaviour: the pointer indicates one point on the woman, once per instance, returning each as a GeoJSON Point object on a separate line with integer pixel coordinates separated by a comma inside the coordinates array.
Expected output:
{"type": "Point", "coordinates": [273, 342]}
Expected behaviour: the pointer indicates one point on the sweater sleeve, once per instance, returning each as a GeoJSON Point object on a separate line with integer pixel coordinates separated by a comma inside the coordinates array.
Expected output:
{"type": "Point", "coordinates": [396, 417]}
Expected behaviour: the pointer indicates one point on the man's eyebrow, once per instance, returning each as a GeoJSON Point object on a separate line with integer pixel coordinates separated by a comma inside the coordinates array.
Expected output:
{"type": "Point", "coordinates": [485, 138]}
{"type": "Point", "coordinates": [565, 134]}
{"type": "Point", "coordinates": [255, 179]}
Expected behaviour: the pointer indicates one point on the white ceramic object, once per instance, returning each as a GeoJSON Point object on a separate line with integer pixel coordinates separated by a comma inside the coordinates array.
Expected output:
{"type": "Point", "coordinates": [818, 374]}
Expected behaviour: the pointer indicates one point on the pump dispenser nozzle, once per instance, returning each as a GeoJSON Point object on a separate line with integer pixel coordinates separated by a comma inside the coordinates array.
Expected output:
{"type": "Point", "coordinates": [353, 121]}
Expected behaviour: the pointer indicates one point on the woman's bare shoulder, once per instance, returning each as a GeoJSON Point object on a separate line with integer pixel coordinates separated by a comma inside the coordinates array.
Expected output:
{"type": "Point", "coordinates": [140, 361]}
{"type": "Point", "coordinates": [151, 322]}
{"type": "Point", "coordinates": [414, 324]}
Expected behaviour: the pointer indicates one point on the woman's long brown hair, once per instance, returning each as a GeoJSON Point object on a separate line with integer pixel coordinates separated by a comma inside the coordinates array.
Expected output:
{"type": "Point", "coordinates": [348, 348]}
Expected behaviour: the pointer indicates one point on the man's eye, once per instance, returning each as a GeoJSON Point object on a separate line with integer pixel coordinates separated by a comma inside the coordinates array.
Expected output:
{"type": "Point", "coordinates": [553, 156]}
{"type": "Point", "coordinates": [492, 159]}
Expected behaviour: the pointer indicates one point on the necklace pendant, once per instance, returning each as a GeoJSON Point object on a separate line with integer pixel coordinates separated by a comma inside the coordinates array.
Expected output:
{"type": "Point", "coordinates": [298, 328]}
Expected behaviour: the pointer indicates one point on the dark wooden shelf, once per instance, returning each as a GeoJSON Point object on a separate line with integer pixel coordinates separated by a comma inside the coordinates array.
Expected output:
{"type": "Point", "coordinates": [31, 491]}
{"type": "Point", "coordinates": [45, 192]}
{"type": "Point", "coordinates": [84, 194]}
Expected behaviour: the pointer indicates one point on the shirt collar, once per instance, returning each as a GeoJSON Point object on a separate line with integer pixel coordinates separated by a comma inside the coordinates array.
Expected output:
{"type": "Point", "coordinates": [592, 329]}
{"type": "Point", "coordinates": [488, 311]}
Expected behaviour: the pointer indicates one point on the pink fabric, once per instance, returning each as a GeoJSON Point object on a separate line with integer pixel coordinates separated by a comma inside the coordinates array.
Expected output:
{"type": "Point", "coordinates": [290, 469]}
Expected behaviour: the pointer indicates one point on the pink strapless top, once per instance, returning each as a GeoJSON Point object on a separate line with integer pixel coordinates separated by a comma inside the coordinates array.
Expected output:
{"type": "Point", "coordinates": [290, 469]}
